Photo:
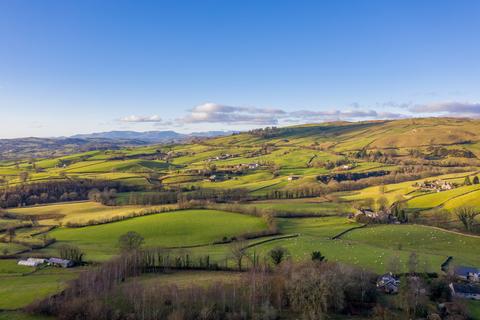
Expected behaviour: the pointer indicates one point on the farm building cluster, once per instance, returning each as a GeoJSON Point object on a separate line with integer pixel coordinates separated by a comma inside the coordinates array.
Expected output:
{"type": "Point", "coordinates": [222, 157]}
{"type": "Point", "coordinates": [381, 216]}
{"type": "Point", "coordinates": [54, 262]}
{"type": "Point", "coordinates": [437, 186]}
{"type": "Point", "coordinates": [226, 172]}
{"type": "Point", "coordinates": [467, 283]}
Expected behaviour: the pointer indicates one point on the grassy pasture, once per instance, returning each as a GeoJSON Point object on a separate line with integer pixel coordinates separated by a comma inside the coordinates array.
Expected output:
{"type": "Point", "coordinates": [469, 199]}
{"type": "Point", "coordinates": [10, 248]}
{"type": "Point", "coordinates": [173, 229]}
{"type": "Point", "coordinates": [83, 211]}
{"type": "Point", "coordinates": [7, 223]}
{"type": "Point", "coordinates": [17, 290]}
{"type": "Point", "coordinates": [372, 247]}
{"type": "Point", "coordinates": [422, 239]}
{"type": "Point", "coordinates": [407, 190]}
{"type": "Point", "coordinates": [134, 165]}
{"type": "Point", "coordinates": [303, 206]}
{"type": "Point", "coordinates": [436, 199]}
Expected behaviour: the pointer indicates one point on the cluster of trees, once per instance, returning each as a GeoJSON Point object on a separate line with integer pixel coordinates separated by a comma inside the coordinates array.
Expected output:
{"type": "Point", "coordinates": [216, 195]}
{"type": "Point", "coordinates": [311, 290]}
{"type": "Point", "coordinates": [143, 198]}
{"type": "Point", "coordinates": [54, 191]}
{"type": "Point", "coordinates": [442, 152]}
{"type": "Point", "coordinates": [72, 253]}
{"type": "Point", "coordinates": [469, 182]}
{"type": "Point", "coordinates": [332, 164]}
{"type": "Point", "coordinates": [468, 217]}
{"type": "Point", "coordinates": [268, 132]}
{"type": "Point", "coordinates": [106, 197]}
{"type": "Point", "coordinates": [183, 197]}
{"type": "Point", "coordinates": [387, 156]}
{"type": "Point", "coordinates": [436, 156]}
{"type": "Point", "coordinates": [352, 176]}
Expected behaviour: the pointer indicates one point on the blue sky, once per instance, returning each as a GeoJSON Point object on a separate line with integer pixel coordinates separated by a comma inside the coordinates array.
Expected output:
{"type": "Point", "coordinates": [71, 67]}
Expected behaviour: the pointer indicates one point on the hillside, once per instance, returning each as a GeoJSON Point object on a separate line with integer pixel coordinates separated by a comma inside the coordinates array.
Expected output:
{"type": "Point", "coordinates": [362, 194]}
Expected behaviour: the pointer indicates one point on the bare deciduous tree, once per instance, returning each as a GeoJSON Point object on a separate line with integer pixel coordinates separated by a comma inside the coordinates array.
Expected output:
{"type": "Point", "coordinates": [238, 252]}
{"type": "Point", "coordinates": [467, 216]}
{"type": "Point", "coordinates": [130, 241]}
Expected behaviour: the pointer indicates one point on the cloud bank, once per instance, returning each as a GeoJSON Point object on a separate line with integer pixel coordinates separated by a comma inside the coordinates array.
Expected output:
{"type": "Point", "coordinates": [135, 118]}
{"type": "Point", "coordinates": [465, 109]}
{"type": "Point", "coordinates": [240, 115]}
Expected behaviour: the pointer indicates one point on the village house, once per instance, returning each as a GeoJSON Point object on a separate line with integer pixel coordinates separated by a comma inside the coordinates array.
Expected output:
{"type": "Point", "coordinates": [388, 283]}
{"type": "Point", "coordinates": [253, 166]}
{"type": "Point", "coordinates": [57, 262]}
{"type": "Point", "coordinates": [437, 185]}
{"type": "Point", "coordinates": [370, 213]}
{"type": "Point", "coordinates": [291, 178]}
{"type": "Point", "coordinates": [471, 274]}
{"type": "Point", "coordinates": [465, 291]}
{"type": "Point", "coordinates": [31, 262]}
{"type": "Point", "coordinates": [221, 157]}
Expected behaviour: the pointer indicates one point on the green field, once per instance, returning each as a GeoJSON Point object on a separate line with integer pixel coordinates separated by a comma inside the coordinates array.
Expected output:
{"type": "Point", "coordinates": [439, 198]}
{"type": "Point", "coordinates": [304, 206]}
{"type": "Point", "coordinates": [173, 229]}
{"type": "Point", "coordinates": [372, 247]}
{"type": "Point", "coordinates": [424, 240]}
{"type": "Point", "coordinates": [82, 212]}
{"type": "Point", "coordinates": [19, 288]}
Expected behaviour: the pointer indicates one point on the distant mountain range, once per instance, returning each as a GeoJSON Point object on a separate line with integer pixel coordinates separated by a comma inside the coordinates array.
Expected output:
{"type": "Point", "coordinates": [32, 147]}
{"type": "Point", "coordinates": [150, 136]}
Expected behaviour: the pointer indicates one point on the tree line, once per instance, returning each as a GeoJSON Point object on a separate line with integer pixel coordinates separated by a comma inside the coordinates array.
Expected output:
{"type": "Point", "coordinates": [55, 191]}
{"type": "Point", "coordinates": [312, 289]}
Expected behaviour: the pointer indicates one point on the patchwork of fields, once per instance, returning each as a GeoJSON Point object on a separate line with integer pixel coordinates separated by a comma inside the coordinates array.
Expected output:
{"type": "Point", "coordinates": [286, 178]}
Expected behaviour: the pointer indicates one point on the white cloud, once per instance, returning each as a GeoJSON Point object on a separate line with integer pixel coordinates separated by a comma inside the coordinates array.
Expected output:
{"type": "Point", "coordinates": [464, 109]}
{"type": "Point", "coordinates": [135, 118]}
{"type": "Point", "coordinates": [210, 112]}
{"type": "Point", "coordinates": [218, 113]}
{"type": "Point", "coordinates": [239, 115]}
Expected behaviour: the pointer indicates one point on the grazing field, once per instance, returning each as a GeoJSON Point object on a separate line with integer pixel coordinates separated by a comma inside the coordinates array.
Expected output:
{"type": "Point", "coordinates": [422, 239]}
{"type": "Point", "coordinates": [79, 212]}
{"type": "Point", "coordinates": [10, 248]}
{"type": "Point", "coordinates": [18, 290]}
{"type": "Point", "coordinates": [303, 206]}
{"type": "Point", "coordinates": [471, 199]}
{"type": "Point", "coordinates": [407, 190]}
{"type": "Point", "coordinates": [372, 247]}
{"type": "Point", "coordinates": [173, 229]}
{"type": "Point", "coordinates": [474, 309]}
{"type": "Point", "coordinates": [436, 199]}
